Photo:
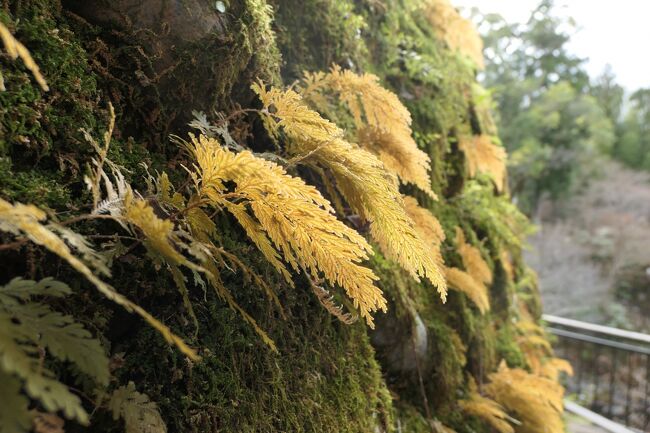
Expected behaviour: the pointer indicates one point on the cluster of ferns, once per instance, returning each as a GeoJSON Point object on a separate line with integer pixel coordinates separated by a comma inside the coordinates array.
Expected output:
{"type": "Point", "coordinates": [297, 228]}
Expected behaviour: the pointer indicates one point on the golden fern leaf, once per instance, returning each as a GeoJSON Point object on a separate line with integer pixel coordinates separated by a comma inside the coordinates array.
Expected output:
{"type": "Point", "coordinates": [369, 103]}
{"type": "Point", "coordinates": [552, 368]}
{"type": "Point", "coordinates": [427, 226]}
{"type": "Point", "coordinates": [285, 110]}
{"type": "Point", "coordinates": [158, 233]}
{"type": "Point", "coordinates": [534, 344]}
{"type": "Point", "coordinates": [535, 401]}
{"type": "Point", "coordinates": [361, 178]}
{"type": "Point", "coordinates": [483, 156]}
{"type": "Point", "coordinates": [295, 217]}
{"type": "Point", "coordinates": [15, 49]}
{"type": "Point", "coordinates": [383, 123]}
{"type": "Point", "coordinates": [465, 283]}
{"type": "Point", "coordinates": [489, 410]}
{"type": "Point", "coordinates": [26, 220]}
{"type": "Point", "coordinates": [473, 262]}
{"type": "Point", "coordinates": [400, 155]}
{"type": "Point", "coordinates": [327, 301]}
{"type": "Point", "coordinates": [506, 262]}
{"type": "Point", "coordinates": [458, 32]}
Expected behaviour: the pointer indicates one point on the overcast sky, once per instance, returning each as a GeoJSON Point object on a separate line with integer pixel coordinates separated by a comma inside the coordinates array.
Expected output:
{"type": "Point", "coordinates": [617, 32]}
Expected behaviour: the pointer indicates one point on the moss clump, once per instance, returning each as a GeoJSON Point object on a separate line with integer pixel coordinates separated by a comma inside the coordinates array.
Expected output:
{"type": "Point", "coordinates": [507, 348]}
{"type": "Point", "coordinates": [34, 123]}
{"type": "Point", "coordinates": [324, 369]}
{"type": "Point", "coordinates": [315, 34]}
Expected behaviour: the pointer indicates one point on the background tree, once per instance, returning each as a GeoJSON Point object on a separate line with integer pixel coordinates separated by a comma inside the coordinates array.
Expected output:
{"type": "Point", "coordinates": [553, 129]}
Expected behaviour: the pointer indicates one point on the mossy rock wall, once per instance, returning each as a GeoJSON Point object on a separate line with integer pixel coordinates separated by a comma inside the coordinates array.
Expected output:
{"type": "Point", "coordinates": [155, 62]}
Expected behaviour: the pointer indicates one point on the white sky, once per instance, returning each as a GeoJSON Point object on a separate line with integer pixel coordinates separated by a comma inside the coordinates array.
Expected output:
{"type": "Point", "coordinates": [616, 32]}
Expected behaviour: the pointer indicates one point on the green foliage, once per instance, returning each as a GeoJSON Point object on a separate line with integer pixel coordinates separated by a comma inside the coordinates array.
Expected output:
{"type": "Point", "coordinates": [26, 325]}
{"type": "Point", "coordinates": [140, 414]}
{"type": "Point", "coordinates": [553, 130]}
{"type": "Point", "coordinates": [496, 216]}
{"type": "Point", "coordinates": [633, 146]}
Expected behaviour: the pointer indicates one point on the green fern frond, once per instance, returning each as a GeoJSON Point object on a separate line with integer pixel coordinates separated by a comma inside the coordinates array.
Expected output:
{"type": "Point", "coordinates": [25, 326]}
{"type": "Point", "coordinates": [139, 413]}
{"type": "Point", "coordinates": [27, 220]}
{"type": "Point", "coordinates": [15, 416]}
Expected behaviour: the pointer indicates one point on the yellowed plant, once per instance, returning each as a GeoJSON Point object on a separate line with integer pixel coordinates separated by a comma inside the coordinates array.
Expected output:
{"type": "Point", "coordinates": [427, 226]}
{"type": "Point", "coordinates": [27, 220]}
{"type": "Point", "coordinates": [487, 409]}
{"type": "Point", "coordinates": [15, 50]}
{"type": "Point", "coordinates": [459, 33]}
{"type": "Point", "coordinates": [284, 216]}
{"type": "Point", "coordinates": [533, 400]}
{"type": "Point", "coordinates": [383, 124]}
{"type": "Point", "coordinates": [473, 261]}
{"type": "Point", "coordinates": [534, 344]}
{"type": "Point", "coordinates": [552, 368]}
{"type": "Point", "coordinates": [465, 283]}
{"type": "Point", "coordinates": [360, 177]}
{"type": "Point", "coordinates": [506, 262]}
{"type": "Point", "coordinates": [483, 156]}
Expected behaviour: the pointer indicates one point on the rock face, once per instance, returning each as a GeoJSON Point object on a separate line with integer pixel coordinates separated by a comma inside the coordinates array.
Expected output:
{"type": "Point", "coordinates": [180, 56]}
{"type": "Point", "coordinates": [156, 61]}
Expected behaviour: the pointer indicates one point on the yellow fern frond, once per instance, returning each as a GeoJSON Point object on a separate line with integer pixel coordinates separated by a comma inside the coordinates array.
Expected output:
{"type": "Point", "coordinates": [361, 178]}
{"type": "Point", "coordinates": [158, 233]}
{"type": "Point", "coordinates": [327, 301]}
{"type": "Point", "coordinates": [483, 156]}
{"type": "Point", "coordinates": [534, 343]}
{"type": "Point", "coordinates": [383, 123]}
{"type": "Point", "coordinates": [535, 401]}
{"type": "Point", "coordinates": [552, 368]}
{"type": "Point", "coordinates": [400, 155]}
{"type": "Point", "coordinates": [295, 217]}
{"type": "Point", "coordinates": [26, 220]}
{"type": "Point", "coordinates": [257, 234]}
{"type": "Point", "coordinates": [15, 49]}
{"type": "Point", "coordinates": [489, 410]}
{"type": "Point", "coordinates": [459, 33]}
{"type": "Point", "coordinates": [465, 283]}
{"type": "Point", "coordinates": [473, 262]}
{"type": "Point", "coordinates": [506, 262]}
{"type": "Point", "coordinates": [369, 103]}
{"type": "Point", "coordinates": [424, 221]}
{"type": "Point", "coordinates": [285, 110]}
{"type": "Point", "coordinates": [427, 226]}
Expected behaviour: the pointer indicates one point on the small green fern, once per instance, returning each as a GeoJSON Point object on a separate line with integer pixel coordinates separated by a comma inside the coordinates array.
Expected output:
{"type": "Point", "coordinates": [140, 414]}
{"type": "Point", "coordinates": [26, 326]}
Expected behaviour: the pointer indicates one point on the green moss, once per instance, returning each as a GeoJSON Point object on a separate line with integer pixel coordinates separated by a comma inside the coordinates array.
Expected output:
{"type": "Point", "coordinates": [324, 378]}
{"type": "Point", "coordinates": [314, 34]}
{"type": "Point", "coordinates": [35, 123]}
{"type": "Point", "coordinates": [38, 187]}
{"type": "Point", "coordinates": [507, 348]}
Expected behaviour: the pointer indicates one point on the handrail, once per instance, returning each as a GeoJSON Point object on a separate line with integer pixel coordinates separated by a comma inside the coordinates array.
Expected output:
{"type": "Point", "coordinates": [614, 358]}
{"type": "Point", "coordinates": [591, 327]}
{"type": "Point", "coordinates": [594, 418]}
{"type": "Point", "coordinates": [601, 341]}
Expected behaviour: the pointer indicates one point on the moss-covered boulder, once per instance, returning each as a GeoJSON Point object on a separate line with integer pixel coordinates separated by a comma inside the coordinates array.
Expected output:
{"type": "Point", "coordinates": [156, 62]}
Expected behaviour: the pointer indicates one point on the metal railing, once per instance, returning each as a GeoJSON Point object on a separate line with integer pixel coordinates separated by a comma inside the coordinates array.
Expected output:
{"type": "Point", "coordinates": [612, 369]}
